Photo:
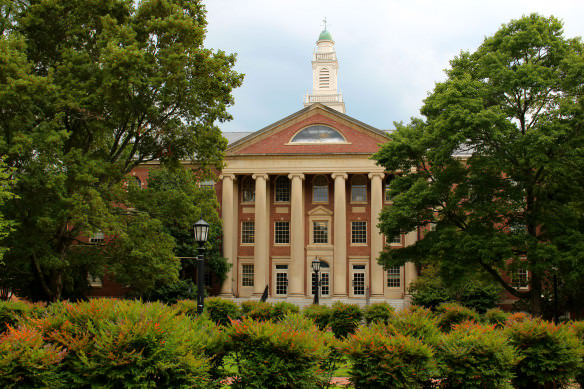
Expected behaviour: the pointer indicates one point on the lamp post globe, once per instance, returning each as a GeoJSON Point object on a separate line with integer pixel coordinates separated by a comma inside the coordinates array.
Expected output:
{"type": "Point", "coordinates": [201, 232]}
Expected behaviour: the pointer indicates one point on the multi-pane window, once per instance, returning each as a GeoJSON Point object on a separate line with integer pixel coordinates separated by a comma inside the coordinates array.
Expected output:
{"type": "Point", "coordinates": [319, 232]}
{"type": "Point", "coordinates": [359, 188]}
{"type": "Point", "coordinates": [246, 275]}
{"type": "Point", "coordinates": [282, 232]}
{"type": "Point", "coordinates": [207, 184]}
{"type": "Point", "coordinates": [320, 189]}
{"type": "Point", "coordinates": [393, 277]}
{"type": "Point", "coordinates": [248, 232]}
{"type": "Point", "coordinates": [520, 278]}
{"type": "Point", "coordinates": [359, 280]}
{"type": "Point", "coordinates": [281, 280]}
{"type": "Point", "coordinates": [97, 237]}
{"type": "Point", "coordinates": [282, 189]}
{"type": "Point", "coordinates": [248, 189]}
{"type": "Point", "coordinates": [395, 239]}
{"type": "Point", "coordinates": [358, 232]}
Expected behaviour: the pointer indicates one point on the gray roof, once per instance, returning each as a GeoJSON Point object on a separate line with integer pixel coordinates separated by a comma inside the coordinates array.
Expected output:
{"type": "Point", "coordinates": [233, 137]}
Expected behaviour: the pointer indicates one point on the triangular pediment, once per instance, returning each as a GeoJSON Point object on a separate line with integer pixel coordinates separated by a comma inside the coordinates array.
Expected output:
{"type": "Point", "coordinates": [320, 211]}
{"type": "Point", "coordinates": [351, 135]}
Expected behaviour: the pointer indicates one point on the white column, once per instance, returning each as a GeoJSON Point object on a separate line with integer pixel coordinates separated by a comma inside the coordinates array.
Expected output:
{"type": "Point", "coordinates": [340, 236]}
{"type": "Point", "coordinates": [377, 272]}
{"type": "Point", "coordinates": [228, 231]}
{"type": "Point", "coordinates": [297, 272]}
{"type": "Point", "coordinates": [261, 248]}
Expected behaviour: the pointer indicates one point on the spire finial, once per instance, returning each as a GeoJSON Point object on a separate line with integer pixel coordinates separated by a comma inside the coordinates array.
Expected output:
{"type": "Point", "coordinates": [324, 22]}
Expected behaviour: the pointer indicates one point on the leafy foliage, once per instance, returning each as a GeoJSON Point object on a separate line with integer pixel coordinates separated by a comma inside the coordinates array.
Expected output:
{"type": "Point", "coordinates": [496, 165]}
{"type": "Point", "coordinates": [319, 314]}
{"type": "Point", "coordinates": [130, 342]}
{"type": "Point", "coordinates": [11, 312]}
{"type": "Point", "coordinates": [550, 354]}
{"type": "Point", "coordinates": [286, 354]}
{"type": "Point", "coordinates": [222, 311]}
{"type": "Point", "coordinates": [450, 314]}
{"type": "Point", "coordinates": [344, 319]}
{"type": "Point", "coordinates": [89, 91]}
{"type": "Point", "coordinates": [383, 359]}
{"type": "Point", "coordinates": [378, 313]}
{"type": "Point", "coordinates": [473, 356]}
{"type": "Point", "coordinates": [28, 361]}
{"type": "Point", "coordinates": [417, 322]}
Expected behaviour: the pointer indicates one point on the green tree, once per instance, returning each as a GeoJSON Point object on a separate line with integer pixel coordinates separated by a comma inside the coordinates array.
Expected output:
{"type": "Point", "coordinates": [497, 165]}
{"type": "Point", "coordinates": [175, 197]}
{"type": "Point", "coordinates": [88, 91]}
{"type": "Point", "coordinates": [6, 184]}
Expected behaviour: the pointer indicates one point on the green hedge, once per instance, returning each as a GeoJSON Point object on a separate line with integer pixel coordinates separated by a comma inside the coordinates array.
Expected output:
{"type": "Point", "coordinates": [110, 342]}
{"type": "Point", "coordinates": [378, 313]}
{"type": "Point", "coordinates": [286, 354]}
{"type": "Point", "coordinates": [450, 314]}
{"type": "Point", "coordinates": [472, 356]}
{"type": "Point", "coordinates": [12, 311]}
{"type": "Point", "coordinates": [550, 354]}
{"type": "Point", "coordinates": [382, 358]}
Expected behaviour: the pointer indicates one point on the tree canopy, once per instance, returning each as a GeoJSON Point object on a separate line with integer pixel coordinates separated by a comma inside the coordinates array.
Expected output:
{"type": "Point", "coordinates": [494, 172]}
{"type": "Point", "coordinates": [88, 91]}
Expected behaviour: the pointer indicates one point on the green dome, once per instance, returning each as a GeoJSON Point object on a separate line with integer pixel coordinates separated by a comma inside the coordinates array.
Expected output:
{"type": "Point", "coordinates": [325, 36]}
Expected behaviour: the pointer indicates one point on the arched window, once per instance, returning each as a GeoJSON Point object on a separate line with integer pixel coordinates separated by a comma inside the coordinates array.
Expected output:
{"type": "Point", "coordinates": [320, 189]}
{"type": "Point", "coordinates": [282, 189]}
{"type": "Point", "coordinates": [324, 78]}
{"type": "Point", "coordinates": [248, 189]}
{"type": "Point", "coordinates": [318, 134]}
{"type": "Point", "coordinates": [359, 188]}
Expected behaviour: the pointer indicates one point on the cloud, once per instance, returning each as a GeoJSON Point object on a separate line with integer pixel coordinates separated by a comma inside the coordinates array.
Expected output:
{"type": "Point", "coordinates": [391, 53]}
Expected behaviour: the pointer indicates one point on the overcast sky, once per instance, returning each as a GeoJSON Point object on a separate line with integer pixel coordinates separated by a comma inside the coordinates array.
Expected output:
{"type": "Point", "coordinates": [391, 53]}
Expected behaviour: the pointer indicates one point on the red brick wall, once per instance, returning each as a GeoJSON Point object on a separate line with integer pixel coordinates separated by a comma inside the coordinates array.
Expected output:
{"type": "Point", "coordinates": [359, 142]}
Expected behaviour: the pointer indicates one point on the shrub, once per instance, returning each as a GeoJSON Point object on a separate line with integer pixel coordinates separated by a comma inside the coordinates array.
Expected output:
{"type": "Point", "coordinates": [28, 361]}
{"type": "Point", "coordinates": [451, 313]}
{"type": "Point", "coordinates": [281, 309]}
{"type": "Point", "coordinates": [286, 354]}
{"type": "Point", "coordinates": [141, 345]}
{"type": "Point", "coordinates": [11, 311]}
{"type": "Point", "coordinates": [257, 310]}
{"type": "Point", "coordinates": [496, 317]}
{"type": "Point", "coordinates": [221, 310]}
{"type": "Point", "coordinates": [517, 317]}
{"type": "Point", "coordinates": [473, 356]}
{"type": "Point", "coordinates": [378, 313]}
{"type": "Point", "coordinates": [480, 296]}
{"type": "Point", "coordinates": [550, 354]}
{"type": "Point", "coordinates": [416, 322]}
{"type": "Point", "coordinates": [319, 314]}
{"type": "Point", "coordinates": [187, 307]}
{"type": "Point", "coordinates": [344, 319]}
{"type": "Point", "coordinates": [579, 330]}
{"type": "Point", "coordinates": [382, 359]}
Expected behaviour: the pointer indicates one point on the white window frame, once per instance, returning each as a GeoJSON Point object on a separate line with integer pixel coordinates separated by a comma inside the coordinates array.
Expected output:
{"type": "Point", "coordinates": [243, 230]}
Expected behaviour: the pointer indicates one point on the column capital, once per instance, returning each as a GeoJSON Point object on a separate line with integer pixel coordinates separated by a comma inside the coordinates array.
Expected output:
{"type": "Point", "coordinates": [376, 174]}
{"type": "Point", "coordinates": [227, 175]}
{"type": "Point", "coordinates": [296, 175]}
{"type": "Point", "coordinates": [260, 175]}
{"type": "Point", "coordinates": [344, 176]}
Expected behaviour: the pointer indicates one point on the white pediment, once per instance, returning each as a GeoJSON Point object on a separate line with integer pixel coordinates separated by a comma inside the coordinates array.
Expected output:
{"type": "Point", "coordinates": [320, 211]}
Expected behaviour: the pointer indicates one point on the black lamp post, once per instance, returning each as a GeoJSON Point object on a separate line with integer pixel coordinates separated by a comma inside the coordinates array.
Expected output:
{"type": "Point", "coordinates": [316, 270]}
{"type": "Point", "coordinates": [201, 235]}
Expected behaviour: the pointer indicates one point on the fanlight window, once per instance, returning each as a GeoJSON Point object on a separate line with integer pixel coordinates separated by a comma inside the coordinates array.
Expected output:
{"type": "Point", "coordinates": [318, 134]}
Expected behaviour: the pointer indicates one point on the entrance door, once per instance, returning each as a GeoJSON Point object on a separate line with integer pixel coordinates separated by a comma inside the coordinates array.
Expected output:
{"type": "Point", "coordinates": [358, 280]}
{"type": "Point", "coordinates": [325, 289]}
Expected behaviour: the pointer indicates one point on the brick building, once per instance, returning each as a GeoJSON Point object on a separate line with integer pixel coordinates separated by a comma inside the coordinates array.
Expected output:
{"type": "Point", "coordinates": [305, 188]}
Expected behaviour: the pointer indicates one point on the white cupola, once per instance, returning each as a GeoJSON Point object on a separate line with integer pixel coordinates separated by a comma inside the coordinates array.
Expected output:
{"type": "Point", "coordinates": [325, 69]}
